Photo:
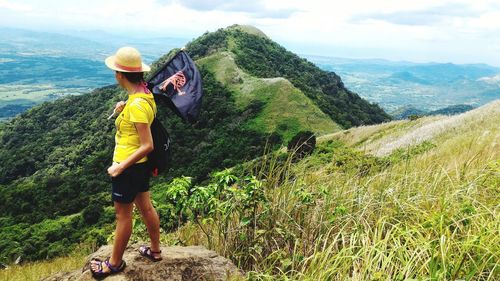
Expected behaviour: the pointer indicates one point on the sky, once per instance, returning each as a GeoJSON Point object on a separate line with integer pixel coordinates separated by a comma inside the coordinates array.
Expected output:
{"type": "Point", "coordinates": [419, 31]}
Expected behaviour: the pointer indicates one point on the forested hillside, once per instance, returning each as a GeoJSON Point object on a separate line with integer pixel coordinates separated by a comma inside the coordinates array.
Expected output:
{"type": "Point", "coordinates": [55, 157]}
{"type": "Point", "coordinates": [261, 57]}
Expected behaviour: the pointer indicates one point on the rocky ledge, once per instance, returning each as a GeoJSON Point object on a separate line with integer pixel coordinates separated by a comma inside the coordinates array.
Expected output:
{"type": "Point", "coordinates": [179, 263]}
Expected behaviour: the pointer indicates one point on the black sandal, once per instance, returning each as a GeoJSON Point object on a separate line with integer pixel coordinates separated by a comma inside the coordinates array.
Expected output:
{"type": "Point", "coordinates": [112, 269]}
{"type": "Point", "coordinates": [146, 252]}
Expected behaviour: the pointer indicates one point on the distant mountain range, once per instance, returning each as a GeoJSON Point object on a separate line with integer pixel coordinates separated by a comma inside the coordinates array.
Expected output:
{"type": "Point", "coordinates": [409, 111]}
{"type": "Point", "coordinates": [423, 86]}
{"type": "Point", "coordinates": [93, 45]}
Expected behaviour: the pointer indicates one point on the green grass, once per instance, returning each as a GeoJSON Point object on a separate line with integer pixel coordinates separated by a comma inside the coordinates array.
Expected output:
{"type": "Point", "coordinates": [364, 135]}
{"type": "Point", "coordinates": [287, 110]}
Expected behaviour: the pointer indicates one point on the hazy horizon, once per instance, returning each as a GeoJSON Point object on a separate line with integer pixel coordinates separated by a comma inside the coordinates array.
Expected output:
{"type": "Point", "coordinates": [456, 31]}
{"type": "Point", "coordinates": [296, 48]}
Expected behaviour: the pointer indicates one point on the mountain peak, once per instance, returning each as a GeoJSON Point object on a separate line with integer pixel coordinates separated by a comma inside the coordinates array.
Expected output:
{"type": "Point", "coordinates": [260, 57]}
{"type": "Point", "coordinates": [248, 29]}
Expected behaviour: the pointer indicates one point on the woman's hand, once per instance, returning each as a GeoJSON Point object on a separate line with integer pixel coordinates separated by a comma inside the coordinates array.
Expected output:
{"type": "Point", "coordinates": [119, 106]}
{"type": "Point", "coordinates": [115, 170]}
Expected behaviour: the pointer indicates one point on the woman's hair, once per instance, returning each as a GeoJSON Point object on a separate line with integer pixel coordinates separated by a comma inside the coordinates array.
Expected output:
{"type": "Point", "coordinates": [134, 77]}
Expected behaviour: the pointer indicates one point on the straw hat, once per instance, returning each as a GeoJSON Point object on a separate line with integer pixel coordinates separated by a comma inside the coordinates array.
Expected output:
{"type": "Point", "coordinates": [127, 59]}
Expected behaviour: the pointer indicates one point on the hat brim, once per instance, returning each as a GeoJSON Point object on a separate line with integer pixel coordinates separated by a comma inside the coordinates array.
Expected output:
{"type": "Point", "coordinates": [110, 63]}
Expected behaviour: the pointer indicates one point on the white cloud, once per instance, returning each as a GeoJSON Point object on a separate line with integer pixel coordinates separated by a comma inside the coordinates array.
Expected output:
{"type": "Point", "coordinates": [446, 30]}
{"type": "Point", "coordinates": [15, 7]}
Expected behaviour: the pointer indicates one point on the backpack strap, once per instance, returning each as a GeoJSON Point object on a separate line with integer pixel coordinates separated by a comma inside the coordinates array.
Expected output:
{"type": "Point", "coordinates": [154, 171]}
{"type": "Point", "coordinates": [152, 108]}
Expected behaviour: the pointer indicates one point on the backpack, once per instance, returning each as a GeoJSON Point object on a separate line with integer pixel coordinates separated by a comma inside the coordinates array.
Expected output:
{"type": "Point", "coordinates": [160, 158]}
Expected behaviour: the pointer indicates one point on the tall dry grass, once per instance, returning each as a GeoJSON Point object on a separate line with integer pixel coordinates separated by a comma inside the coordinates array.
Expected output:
{"type": "Point", "coordinates": [35, 271]}
{"type": "Point", "coordinates": [430, 216]}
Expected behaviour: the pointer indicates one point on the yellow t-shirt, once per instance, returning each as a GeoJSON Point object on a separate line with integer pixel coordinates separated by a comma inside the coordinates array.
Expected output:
{"type": "Point", "coordinates": [137, 110]}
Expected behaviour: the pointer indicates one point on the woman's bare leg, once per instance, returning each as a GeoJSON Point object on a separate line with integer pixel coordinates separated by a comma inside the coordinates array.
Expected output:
{"type": "Point", "coordinates": [122, 232]}
{"type": "Point", "coordinates": [150, 218]}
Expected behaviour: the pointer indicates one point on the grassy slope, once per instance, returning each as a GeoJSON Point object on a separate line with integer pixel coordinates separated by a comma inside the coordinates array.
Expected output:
{"type": "Point", "coordinates": [287, 110]}
{"type": "Point", "coordinates": [432, 213]}
{"type": "Point", "coordinates": [425, 211]}
{"type": "Point", "coordinates": [480, 124]}
{"type": "Point", "coordinates": [38, 270]}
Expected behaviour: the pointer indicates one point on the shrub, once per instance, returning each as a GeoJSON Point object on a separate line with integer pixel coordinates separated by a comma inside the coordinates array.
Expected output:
{"type": "Point", "coordinates": [302, 144]}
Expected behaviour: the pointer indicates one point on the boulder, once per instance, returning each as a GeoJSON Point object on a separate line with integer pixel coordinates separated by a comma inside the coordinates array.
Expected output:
{"type": "Point", "coordinates": [179, 263]}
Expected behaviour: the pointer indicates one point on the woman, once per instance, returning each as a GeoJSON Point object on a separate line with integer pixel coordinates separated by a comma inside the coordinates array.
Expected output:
{"type": "Point", "coordinates": [129, 171]}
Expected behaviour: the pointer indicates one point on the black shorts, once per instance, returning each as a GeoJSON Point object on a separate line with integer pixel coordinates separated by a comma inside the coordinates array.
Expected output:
{"type": "Point", "coordinates": [133, 180]}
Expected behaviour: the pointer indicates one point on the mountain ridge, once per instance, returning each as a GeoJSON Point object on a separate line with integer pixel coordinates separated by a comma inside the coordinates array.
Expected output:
{"type": "Point", "coordinates": [283, 104]}
{"type": "Point", "coordinates": [425, 86]}
{"type": "Point", "coordinates": [422, 129]}
{"type": "Point", "coordinates": [411, 111]}
{"type": "Point", "coordinates": [263, 58]}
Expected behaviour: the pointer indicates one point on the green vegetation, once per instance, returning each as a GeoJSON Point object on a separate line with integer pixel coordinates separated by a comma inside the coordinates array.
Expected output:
{"type": "Point", "coordinates": [54, 191]}
{"type": "Point", "coordinates": [425, 212]}
{"type": "Point", "coordinates": [55, 157]}
{"type": "Point", "coordinates": [37, 270]}
{"type": "Point", "coordinates": [263, 58]}
{"type": "Point", "coordinates": [406, 112]}
{"type": "Point", "coordinates": [281, 107]}
{"type": "Point", "coordinates": [452, 110]}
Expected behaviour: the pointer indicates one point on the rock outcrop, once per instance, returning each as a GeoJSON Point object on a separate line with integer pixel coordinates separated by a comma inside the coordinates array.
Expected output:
{"type": "Point", "coordinates": [179, 263]}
